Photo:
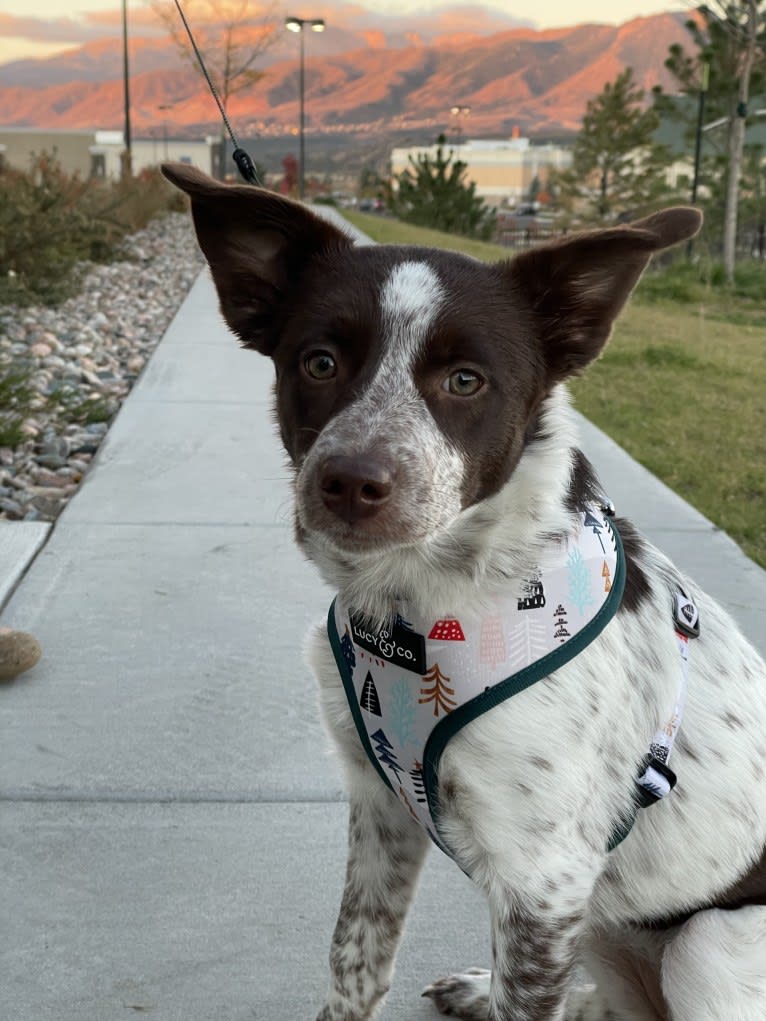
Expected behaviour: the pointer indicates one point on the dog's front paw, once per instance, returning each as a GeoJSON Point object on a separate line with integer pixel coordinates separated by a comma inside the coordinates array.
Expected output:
{"type": "Point", "coordinates": [464, 996]}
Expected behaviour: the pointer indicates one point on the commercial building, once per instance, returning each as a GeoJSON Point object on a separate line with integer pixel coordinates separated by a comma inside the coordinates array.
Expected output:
{"type": "Point", "coordinates": [502, 169]}
{"type": "Point", "coordinates": [99, 153]}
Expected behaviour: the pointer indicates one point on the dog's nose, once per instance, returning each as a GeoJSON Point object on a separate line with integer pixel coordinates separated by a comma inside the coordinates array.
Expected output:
{"type": "Point", "coordinates": [355, 487]}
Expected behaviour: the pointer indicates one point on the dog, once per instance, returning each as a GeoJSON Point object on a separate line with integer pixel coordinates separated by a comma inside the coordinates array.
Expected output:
{"type": "Point", "coordinates": [421, 398]}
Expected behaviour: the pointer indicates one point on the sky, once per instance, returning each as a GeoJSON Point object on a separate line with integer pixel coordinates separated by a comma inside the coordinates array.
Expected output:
{"type": "Point", "coordinates": [49, 26]}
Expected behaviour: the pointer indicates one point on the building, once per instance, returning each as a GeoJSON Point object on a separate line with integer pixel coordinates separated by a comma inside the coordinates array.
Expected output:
{"type": "Point", "coordinates": [501, 169]}
{"type": "Point", "coordinates": [99, 153]}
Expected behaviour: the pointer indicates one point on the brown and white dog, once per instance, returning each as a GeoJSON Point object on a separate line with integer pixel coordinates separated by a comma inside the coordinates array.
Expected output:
{"type": "Point", "coordinates": [420, 396]}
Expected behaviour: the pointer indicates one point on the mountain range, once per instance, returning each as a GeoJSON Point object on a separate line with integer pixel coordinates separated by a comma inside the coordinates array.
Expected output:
{"type": "Point", "coordinates": [370, 77]}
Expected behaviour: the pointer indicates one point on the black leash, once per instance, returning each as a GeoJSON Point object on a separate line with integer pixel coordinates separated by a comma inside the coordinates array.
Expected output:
{"type": "Point", "coordinates": [242, 158]}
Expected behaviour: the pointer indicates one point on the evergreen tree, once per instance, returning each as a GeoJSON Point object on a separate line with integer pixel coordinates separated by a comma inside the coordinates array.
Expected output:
{"type": "Point", "coordinates": [434, 192]}
{"type": "Point", "coordinates": [728, 62]}
{"type": "Point", "coordinates": [616, 166]}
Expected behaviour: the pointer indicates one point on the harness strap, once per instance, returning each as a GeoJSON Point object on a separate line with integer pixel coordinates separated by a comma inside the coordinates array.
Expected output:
{"type": "Point", "coordinates": [656, 779]}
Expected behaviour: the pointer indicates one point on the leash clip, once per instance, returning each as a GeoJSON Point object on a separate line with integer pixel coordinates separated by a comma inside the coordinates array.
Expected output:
{"type": "Point", "coordinates": [686, 616]}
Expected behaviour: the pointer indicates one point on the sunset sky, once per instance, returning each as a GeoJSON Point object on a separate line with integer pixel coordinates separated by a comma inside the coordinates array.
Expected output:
{"type": "Point", "coordinates": [49, 26]}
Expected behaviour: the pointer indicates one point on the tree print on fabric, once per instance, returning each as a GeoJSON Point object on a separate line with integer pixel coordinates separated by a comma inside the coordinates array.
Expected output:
{"type": "Point", "coordinates": [369, 700]}
{"type": "Point", "coordinates": [402, 713]}
{"type": "Point", "coordinates": [527, 641]}
{"type": "Point", "coordinates": [406, 800]}
{"type": "Point", "coordinates": [347, 650]}
{"type": "Point", "coordinates": [385, 752]}
{"type": "Point", "coordinates": [448, 630]}
{"type": "Point", "coordinates": [560, 624]}
{"type": "Point", "coordinates": [492, 642]}
{"type": "Point", "coordinates": [579, 581]}
{"type": "Point", "coordinates": [418, 781]}
{"type": "Point", "coordinates": [597, 526]}
{"type": "Point", "coordinates": [439, 692]}
{"type": "Point", "coordinates": [606, 575]}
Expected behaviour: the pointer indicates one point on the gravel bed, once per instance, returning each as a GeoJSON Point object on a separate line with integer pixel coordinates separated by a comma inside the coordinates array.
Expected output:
{"type": "Point", "coordinates": [86, 354]}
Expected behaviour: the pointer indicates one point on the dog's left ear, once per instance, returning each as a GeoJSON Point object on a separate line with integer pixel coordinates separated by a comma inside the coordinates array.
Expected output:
{"type": "Point", "coordinates": [577, 287]}
{"type": "Point", "coordinates": [258, 245]}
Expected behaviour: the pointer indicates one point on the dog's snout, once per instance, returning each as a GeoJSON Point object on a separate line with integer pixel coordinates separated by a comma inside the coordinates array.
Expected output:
{"type": "Point", "coordinates": [355, 487]}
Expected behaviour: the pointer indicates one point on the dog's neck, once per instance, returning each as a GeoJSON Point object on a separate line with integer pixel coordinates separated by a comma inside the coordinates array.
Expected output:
{"type": "Point", "coordinates": [486, 549]}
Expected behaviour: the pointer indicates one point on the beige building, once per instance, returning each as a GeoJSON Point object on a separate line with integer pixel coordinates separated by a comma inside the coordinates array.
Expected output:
{"type": "Point", "coordinates": [99, 153]}
{"type": "Point", "coordinates": [502, 169]}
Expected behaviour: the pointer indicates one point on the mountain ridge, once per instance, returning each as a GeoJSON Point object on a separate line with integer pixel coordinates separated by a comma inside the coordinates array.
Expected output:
{"type": "Point", "coordinates": [538, 81]}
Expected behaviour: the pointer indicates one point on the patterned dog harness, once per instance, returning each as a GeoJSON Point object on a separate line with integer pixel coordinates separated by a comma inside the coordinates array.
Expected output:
{"type": "Point", "coordinates": [413, 686]}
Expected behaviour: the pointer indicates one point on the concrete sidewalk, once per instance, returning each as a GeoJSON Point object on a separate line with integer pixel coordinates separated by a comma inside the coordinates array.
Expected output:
{"type": "Point", "coordinates": [173, 832]}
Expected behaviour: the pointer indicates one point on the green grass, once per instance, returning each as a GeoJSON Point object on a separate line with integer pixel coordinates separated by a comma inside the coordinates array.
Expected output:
{"type": "Point", "coordinates": [394, 232]}
{"type": "Point", "coordinates": [681, 386]}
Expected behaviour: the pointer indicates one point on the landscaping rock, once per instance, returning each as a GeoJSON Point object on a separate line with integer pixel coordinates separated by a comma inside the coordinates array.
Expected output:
{"type": "Point", "coordinates": [85, 355]}
{"type": "Point", "coordinates": [19, 651]}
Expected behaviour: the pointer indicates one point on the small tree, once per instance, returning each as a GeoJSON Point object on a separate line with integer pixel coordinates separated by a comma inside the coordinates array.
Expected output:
{"type": "Point", "coordinates": [231, 35]}
{"type": "Point", "coordinates": [616, 166]}
{"type": "Point", "coordinates": [434, 192]}
{"type": "Point", "coordinates": [730, 41]}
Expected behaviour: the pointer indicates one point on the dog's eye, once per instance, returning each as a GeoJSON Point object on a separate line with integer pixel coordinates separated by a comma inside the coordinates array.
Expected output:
{"type": "Point", "coordinates": [463, 383]}
{"type": "Point", "coordinates": [320, 365]}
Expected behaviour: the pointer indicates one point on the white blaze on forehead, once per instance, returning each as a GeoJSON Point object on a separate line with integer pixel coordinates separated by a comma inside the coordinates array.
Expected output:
{"type": "Point", "coordinates": [411, 298]}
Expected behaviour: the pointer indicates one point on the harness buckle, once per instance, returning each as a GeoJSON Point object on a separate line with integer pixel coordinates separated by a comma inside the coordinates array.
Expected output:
{"type": "Point", "coordinates": [656, 781]}
{"type": "Point", "coordinates": [686, 615]}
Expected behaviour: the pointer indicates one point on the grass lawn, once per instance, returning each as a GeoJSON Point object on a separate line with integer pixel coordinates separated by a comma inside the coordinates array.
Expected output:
{"type": "Point", "coordinates": [682, 385]}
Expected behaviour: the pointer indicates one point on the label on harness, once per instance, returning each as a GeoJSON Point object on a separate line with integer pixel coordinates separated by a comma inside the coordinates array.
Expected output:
{"type": "Point", "coordinates": [400, 645]}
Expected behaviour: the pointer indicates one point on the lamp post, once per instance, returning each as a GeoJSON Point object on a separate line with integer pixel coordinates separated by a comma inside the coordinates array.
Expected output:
{"type": "Point", "coordinates": [164, 107]}
{"type": "Point", "coordinates": [298, 25]}
{"type": "Point", "coordinates": [127, 155]}
{"type": "Point", "coordinates": [458, 112]}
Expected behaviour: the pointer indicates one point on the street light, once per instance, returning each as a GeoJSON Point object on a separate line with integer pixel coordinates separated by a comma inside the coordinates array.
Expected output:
{"type": "Point", "coordinates": [163, 107]}
{"type": "Point", "coordinates": [127, 155]}
{"type": "Point", "coordinates": [458, 112]}
{"type": "Point", "coordinates": [298, 25]}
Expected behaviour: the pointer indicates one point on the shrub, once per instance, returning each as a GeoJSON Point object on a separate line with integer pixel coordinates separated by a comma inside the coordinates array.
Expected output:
{"type": "Point", "coordinates": [51, 222]}
{"type": "Point", "coordinates": [16, 399]}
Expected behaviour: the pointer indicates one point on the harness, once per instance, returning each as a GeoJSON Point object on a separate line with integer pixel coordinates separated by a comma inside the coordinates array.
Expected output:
{"type": "Point", "coordinates": [414, 684]}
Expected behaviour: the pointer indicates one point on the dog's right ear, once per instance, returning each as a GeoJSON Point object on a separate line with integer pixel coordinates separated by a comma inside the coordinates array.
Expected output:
{"type": "Point", "coordinates": [258, 245]}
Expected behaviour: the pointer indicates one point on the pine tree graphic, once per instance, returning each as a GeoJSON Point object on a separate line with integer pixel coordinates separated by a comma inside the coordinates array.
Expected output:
{"type": "Point", "coordinates": [448, 630]}
{"type": "Point", "coordinates": [385, 752]}
{"type": "Point", "coordinates": [418, 781]}
{"type": "Point", "coordinates": [492, 642]}
{"type": "Point", "coordinates": [533, 594]}
{"type": "Point", "coordinates": [605, 574]}
{"type": "Point", "coordinates": [439, 693]}
{"type": "Point", "coordinates": [579, 581]}
{"type": "Point", "coordinates": [561, 622]}
{"type": "Point", "coordinates": [527, 641]}
{"type": "Point", "coordinates": [347, 650]}
{"type": "Point", "coordinates": [402, 714]}
{"type": "Point", "coordinates": [596, 525]}
{"type": "Point", "coordinates": [406, 800]}
{"type": "Point", "coordinates": [369, 700]}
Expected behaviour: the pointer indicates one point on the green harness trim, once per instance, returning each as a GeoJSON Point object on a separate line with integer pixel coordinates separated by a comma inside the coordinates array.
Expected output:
{"type": "Point", "coordinates": [500, 692]}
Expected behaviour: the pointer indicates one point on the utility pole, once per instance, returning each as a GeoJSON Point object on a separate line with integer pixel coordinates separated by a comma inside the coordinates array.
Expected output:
{"type": "Point", "coordinates": [127, 155]}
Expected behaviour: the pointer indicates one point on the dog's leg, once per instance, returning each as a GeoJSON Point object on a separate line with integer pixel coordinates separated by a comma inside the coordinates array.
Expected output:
{"type": "Point", "coordinates": [386, 850]}
{"type": "Point", "coordinates": [533, 954]}
{"type": "Point", "coordinates": [715, 967]}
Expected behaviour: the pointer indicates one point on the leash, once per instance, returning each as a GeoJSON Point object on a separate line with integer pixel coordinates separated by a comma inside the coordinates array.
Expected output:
{"type": "Point", "coordinates": [240, 156]}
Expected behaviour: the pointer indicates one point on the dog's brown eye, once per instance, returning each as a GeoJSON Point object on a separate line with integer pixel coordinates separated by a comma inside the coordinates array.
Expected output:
{"type": "Point", "coordinates": [320, 365]}
{"type": "Point", "coordinates": [463, 383]}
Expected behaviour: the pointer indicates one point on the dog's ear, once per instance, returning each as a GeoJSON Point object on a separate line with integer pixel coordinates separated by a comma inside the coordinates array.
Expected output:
{"type": "Point", "coordinates": [576, 287]}
{"type": "Point", "coordinates": [258, 245]}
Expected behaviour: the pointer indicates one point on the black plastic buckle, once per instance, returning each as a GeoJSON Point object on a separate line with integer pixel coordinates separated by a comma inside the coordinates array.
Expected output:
{"type": "Point", "coordinates": [645, 796]}
{"type": "Point", "coordinates": [686, 615]}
